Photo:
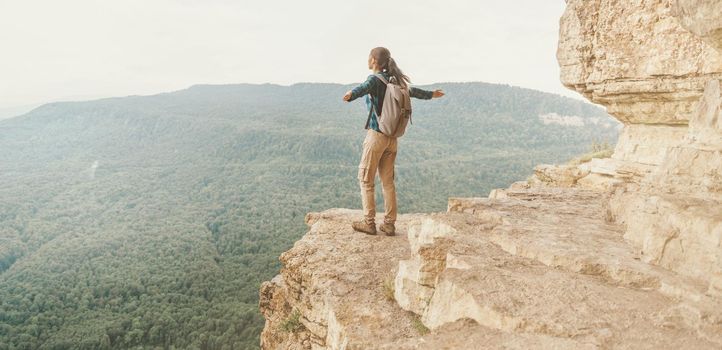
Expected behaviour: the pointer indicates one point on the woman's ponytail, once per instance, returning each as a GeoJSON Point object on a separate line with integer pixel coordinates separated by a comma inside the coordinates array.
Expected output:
{"type": "Point", "coordinates": [396, 72]}
{"type": "Point", "coordinates": [383, 57]}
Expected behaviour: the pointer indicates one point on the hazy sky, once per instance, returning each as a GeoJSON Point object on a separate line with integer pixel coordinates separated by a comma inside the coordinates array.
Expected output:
{"type": "Point", "coordinates": [80, 49]}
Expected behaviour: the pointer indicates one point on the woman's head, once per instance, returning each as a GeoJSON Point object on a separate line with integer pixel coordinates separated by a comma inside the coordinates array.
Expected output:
{"type": "Point", "coordinates": [381, 57]}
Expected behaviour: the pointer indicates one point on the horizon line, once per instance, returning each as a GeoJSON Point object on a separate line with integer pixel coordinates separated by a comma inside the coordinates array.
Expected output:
{"type": "Point", "coordinates": [89, 98]}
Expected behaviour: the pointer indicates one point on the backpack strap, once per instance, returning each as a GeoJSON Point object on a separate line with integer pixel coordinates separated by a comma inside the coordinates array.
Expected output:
{"type": "Point", "coordinates": [368, 120]}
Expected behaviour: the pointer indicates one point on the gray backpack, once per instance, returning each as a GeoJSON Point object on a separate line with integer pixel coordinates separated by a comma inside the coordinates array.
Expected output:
{"type": "Point", "coordinates": [396, 110]}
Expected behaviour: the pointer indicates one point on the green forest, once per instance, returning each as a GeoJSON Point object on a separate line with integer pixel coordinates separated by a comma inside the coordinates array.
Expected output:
{"type": "Point", "coordinates": [149, 222]}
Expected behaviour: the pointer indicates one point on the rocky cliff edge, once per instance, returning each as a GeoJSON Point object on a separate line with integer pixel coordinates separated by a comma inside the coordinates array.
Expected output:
{"type": "Point", "coordinates": [621, 252]}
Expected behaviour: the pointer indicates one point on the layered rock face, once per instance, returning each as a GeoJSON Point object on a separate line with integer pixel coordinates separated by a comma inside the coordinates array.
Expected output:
{"type": "Point", "coordinates": [620, 252]}
{"type": "Point", "coordinates": [702, 18]}
{"type": "Point", "coordinates": [636, 59]}
{"type": "Point", "coordinates": [537, 268]}
{"type": "Point", "coordinates": [656, 66]}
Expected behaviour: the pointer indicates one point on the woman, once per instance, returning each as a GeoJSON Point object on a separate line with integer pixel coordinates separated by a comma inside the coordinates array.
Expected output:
{"type": "Point", "coordinates": [379, 150]}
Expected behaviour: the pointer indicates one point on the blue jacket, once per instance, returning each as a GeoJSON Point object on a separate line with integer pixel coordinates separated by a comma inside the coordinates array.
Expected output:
{"type": "Point", "coordinates": [375, 88]}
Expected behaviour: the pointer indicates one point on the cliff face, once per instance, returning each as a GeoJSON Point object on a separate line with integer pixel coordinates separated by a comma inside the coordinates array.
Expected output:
{"type": "Point", "coordinates": [655, 65]}
{"type": "Point", "coordinates": [622, 252]}
{"type": "Point", "coordinates": [639, 62]}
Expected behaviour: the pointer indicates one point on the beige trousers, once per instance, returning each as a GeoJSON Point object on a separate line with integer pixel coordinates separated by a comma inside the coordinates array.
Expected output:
{"type": "Point", "coordinates": [379, 154]}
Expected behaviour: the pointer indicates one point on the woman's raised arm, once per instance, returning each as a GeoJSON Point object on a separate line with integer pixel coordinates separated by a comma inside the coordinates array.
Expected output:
{"type": "Point", "coordinates": [360, 90]}
{"type": "Point", "coordinates": [424, 94]}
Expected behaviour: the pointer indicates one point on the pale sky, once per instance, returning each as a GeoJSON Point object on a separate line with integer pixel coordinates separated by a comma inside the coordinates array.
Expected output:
{"type": "Point", "coordinates": [81, 49]}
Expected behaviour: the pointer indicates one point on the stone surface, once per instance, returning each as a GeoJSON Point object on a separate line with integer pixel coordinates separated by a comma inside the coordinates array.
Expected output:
{"type": "Point", "coordinates": [334, 278]}
{"type": "Point", "coordinates": [666, 176]}
{"type": "Point", "coordinates": [541, 268]}
{"type": "Point", "coordinates": [559, 175]}
{"type": "Point", "coordinates": [635, 58]}
{"type": "Point", "coordinates": [414, 282]}
{"type": "Point", "coordinates": [675, 219]}
{"type": "Point", "coordinates": [647, 144]}
{"type": "Point", "coordinates": [638, 60]}
{"type": "Point", "coordinates": [599, 182]}
{"type": "Point", "coordinates": [703, 18]}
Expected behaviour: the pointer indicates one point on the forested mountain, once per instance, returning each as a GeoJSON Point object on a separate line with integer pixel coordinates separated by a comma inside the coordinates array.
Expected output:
{"type": "Point", "coordinates": [150, 221]}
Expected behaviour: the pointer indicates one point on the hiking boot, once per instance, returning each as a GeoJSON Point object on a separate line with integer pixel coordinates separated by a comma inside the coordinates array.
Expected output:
{"type": "Point", "coordinates": [362, 226]}
{"type": "Point", "coordinates": [388, 229]}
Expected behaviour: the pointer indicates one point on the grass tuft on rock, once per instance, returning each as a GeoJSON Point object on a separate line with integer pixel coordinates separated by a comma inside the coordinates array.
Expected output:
{"type": "Point", "coordinates": [417, 324]}
{"type": "Point", "coordinates": [292, 324]}
{"type": "Point", "coordinates": [389, 289]}
{"type": "Point", "coordinates": [596, 150]}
